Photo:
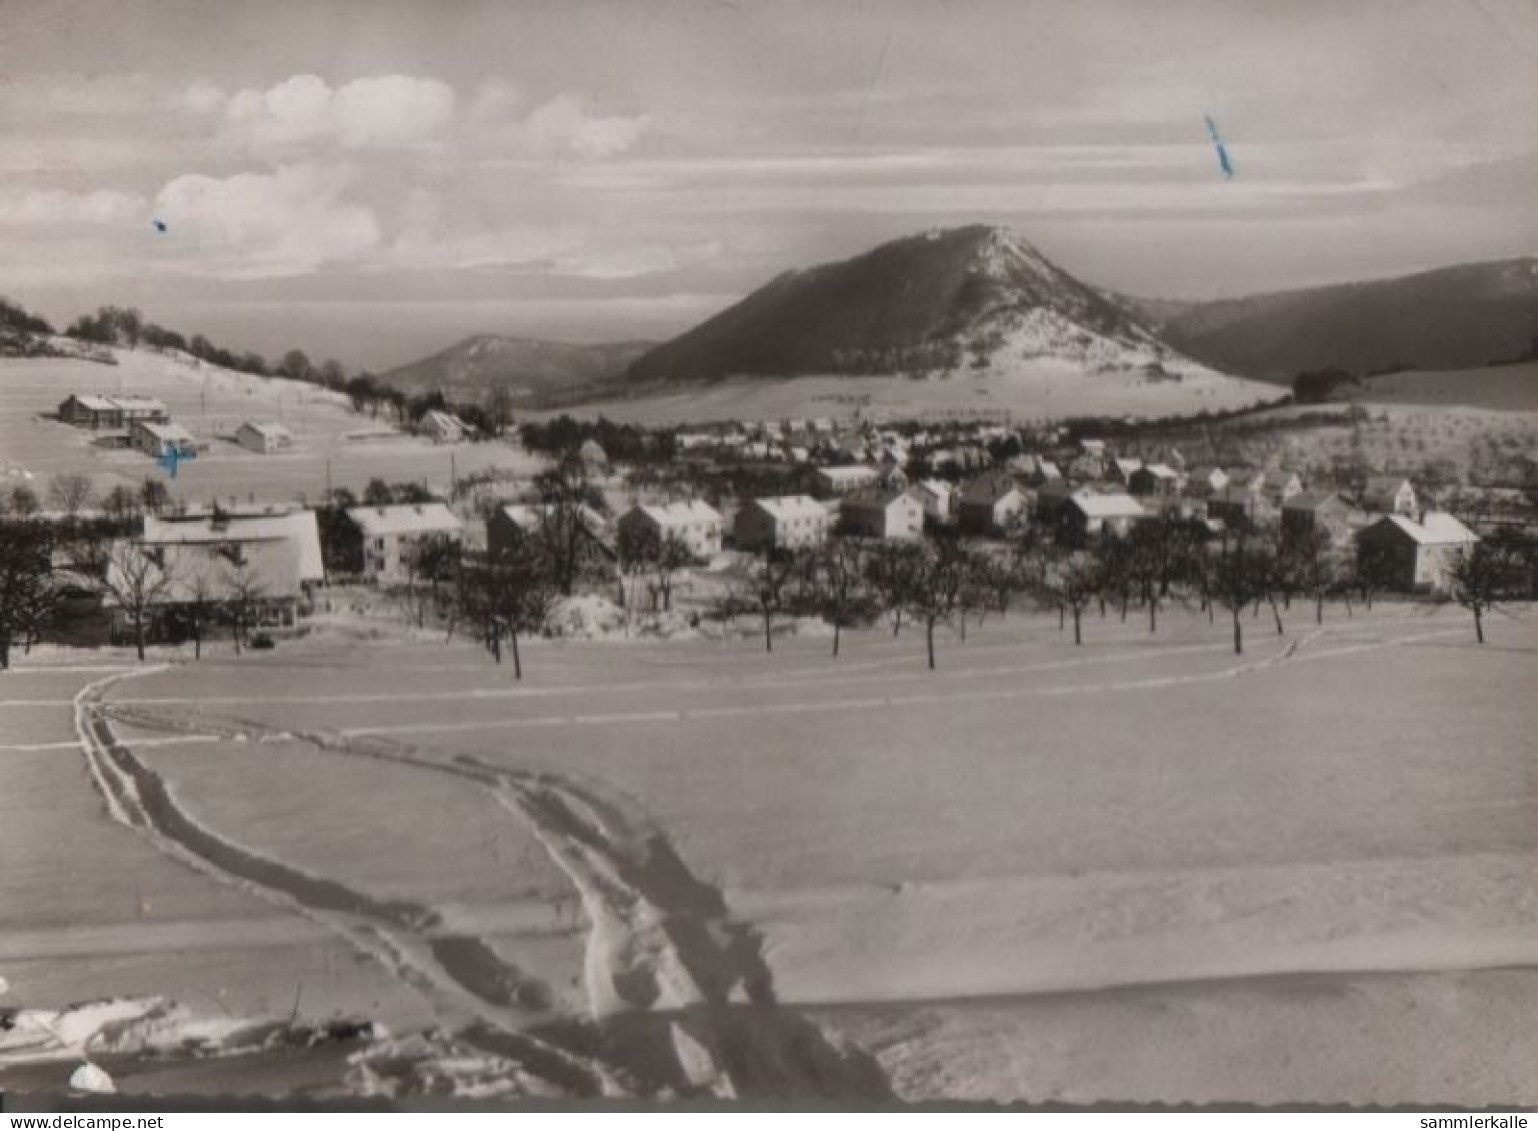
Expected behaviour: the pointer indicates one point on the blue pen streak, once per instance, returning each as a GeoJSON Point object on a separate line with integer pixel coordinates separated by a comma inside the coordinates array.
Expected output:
{"type": "Point", "coordinates": [1223, 162]}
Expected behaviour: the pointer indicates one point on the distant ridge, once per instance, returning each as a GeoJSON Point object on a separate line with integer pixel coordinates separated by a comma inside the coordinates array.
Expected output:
{"type": "Point", "coordinates": [1452, 318]}
{"type": "Point", "coordinates": [531, 369]}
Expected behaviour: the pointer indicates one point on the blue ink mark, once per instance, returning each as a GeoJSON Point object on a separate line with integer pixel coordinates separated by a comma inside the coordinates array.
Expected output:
{"type": "Point", "coordinates": [1223, 162]}
{"type": "Point", "coordinates": [160, 225]}
{"type": "Point", "coordinates": [173, 457]}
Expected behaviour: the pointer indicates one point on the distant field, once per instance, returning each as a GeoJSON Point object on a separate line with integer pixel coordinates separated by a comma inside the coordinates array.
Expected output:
{"type": "Point", "coordinates": [1504, 388]}
{"type": "Point", "coordinates": [1038, 848]}
{"type": "Point", "coordinates": [212, 403]}
{"type": "Point", "coordinates": [1043, 390]}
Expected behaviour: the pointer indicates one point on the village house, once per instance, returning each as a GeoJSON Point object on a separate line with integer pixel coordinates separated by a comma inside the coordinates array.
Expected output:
{"type": "Point", "coordinates": [264, 438]}
{"type": "Point", "coordinates": [696, 524]}
{"type": "Point", "coordinates": [832, 481]}
{"type": "Point", "coordinates": [441, 427]}
{"type": "Point", "coordinates": [1416, 556]}
{"type": "Point", "coordinates": [1390, 494]}
{"type": "Point", "coordinates": [937, 496]}
{"type": "Point", "coordinates": [1238, 506]}
{"type": "Point", "coordinates": [1123, 468]}
{"type": "Point", "coordinates": [393, 534]}
{"type": "Point", "coordinates": [111, 411]}
{"type": "Point", "coordinates": [155, 439]}
{"type": "Point", "coordinates": [292, 524]}
{"type": "Point", "coordinates": [1202, 481]}
{"type": "Point", "coordinates": [1308, 511]}
{"type": "Point", "coordinates": [509, 524]}
{"type": "Point", "coordinates": [1158, 479]}
{"type": "Point", "coordinates": [881, 512]}
{"type": "Point", "coordinates": [784, 522]}
{"type": "Point", "coordinates": [1086, 516]}
{"type": "Point", "coordinates": [989, 504]}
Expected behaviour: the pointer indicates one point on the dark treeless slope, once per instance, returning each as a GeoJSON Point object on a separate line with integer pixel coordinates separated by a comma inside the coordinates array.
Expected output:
{"type": "Point", "coordinates": [529, 368]}
{"type": "Point", "coordinates": [1453, 318]}
{"type": "Point", "coordinates": [934, 299]}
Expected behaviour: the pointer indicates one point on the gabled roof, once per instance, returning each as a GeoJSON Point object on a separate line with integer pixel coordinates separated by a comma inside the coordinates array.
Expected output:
{"type": "Point", "coordinates": [297, 526]}
{"type": "Point", "coordinates": [406, 518]}
{"type": "Point", "coordinates": [988, 489]}
{"type": "Point", "coordinates": [1160, 470]}
{"type": "Point", "coordinates": [528, 516]}
{"type": "Point", "coordinates": [1437, 528]}
{"type": "Point", "coordinates": [137, 404]}
{"type": "Point", "coordinates": [1118, 505]}
{"type": "Point", "coordinates": [878, 498]}
{"type": "Point", "coordinates": [268, 429]}
{"type": "Point", "coordinates": [168, 431]}
{"type": "Point", "coordinates": [848, 474]}
{"type": "Point", "coordinates": [680, 513]}
{"type": "Point", "coordinates": [939, 488]}
{"type": "Point", "coordinates": [784, 508]}
{"type": "Point", "coordinates": [92, 402]}
{"type": "Point", "coordinates": [271, 563]}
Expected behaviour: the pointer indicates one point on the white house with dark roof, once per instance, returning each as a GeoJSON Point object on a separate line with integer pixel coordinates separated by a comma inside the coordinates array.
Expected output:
{"type": "Point", "coordinates": [291, 524]}
{"type": "Point", "coordinates": [391, 534]}
{"type": "Point", "coordinates": [781, 522]}
{"type": "Point", "coordinates": [831, 481]}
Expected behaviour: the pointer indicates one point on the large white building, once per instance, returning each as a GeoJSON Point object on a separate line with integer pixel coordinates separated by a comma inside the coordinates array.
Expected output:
{"type": "Point", "coordinates": [698, 525]}
{"type": "Point", "coordinates": [783, 522]}
{"type": "Point", "coordinates": [391, 534]}
{"type": "Point", "coordinates": [263, 437]}
{"type": "Point", "coordinates": [156, 439]}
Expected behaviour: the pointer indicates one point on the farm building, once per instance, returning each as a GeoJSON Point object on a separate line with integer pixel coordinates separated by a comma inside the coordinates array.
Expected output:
{"type": "Point", "coordinates": [1238, 506]}
{"type": "Point", "coordinates": [1322, 510]}
{"type": "Point", "coordinates": [110, 412]}
{"type": "Point", "coordinates": [1123, 468]}
{"type": "Point", "coordinates": [154, 438]}
{"type": "Point", "coordinates": [1085, 516]}
{"type": "Point", "coordinates": [989, 504]}
{"type": "Point", "coordinates": [391, 534]}
{"type": "Point", "coordinates": [512, 522]}
{"type": "Point", "coordinates": [831, 481]}
{"type": "Point", "coordinates": [1390, 494]}
{"type": "Point", "coordinates": [698, 525]}
{"type": "Point", "coordinates": [264, 438]}
{"type": "Point", "coordinates": [89, 411]}
{"type": "Point", "coordinates": [882, 512]}
{"type": "Point", "coordinates": [781, 522]}
{"type": "Point", "coordinates": [1416, 556]}
{"type": "Point", "coordinates": [441, 427]}
{"type": "Point", "coordinates": [1202, 481]}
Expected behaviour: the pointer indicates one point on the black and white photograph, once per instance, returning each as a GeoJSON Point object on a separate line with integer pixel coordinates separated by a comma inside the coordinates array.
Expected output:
{"type": "Point", "coordinates": [811, 555]}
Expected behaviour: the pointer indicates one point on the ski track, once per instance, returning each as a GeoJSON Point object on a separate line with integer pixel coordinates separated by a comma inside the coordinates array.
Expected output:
{"type": "Point", "coordinates": [681, 1000]}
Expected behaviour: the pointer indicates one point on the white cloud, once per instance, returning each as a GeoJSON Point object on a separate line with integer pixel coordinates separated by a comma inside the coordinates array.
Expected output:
{"type": "Point", "coordinates": [391, 110]}
{"type": "Point", "coordinates": [294, 219]}
{"type": "Point", "coordinates": [48, 207]}
{"type": "Point", "coordinates": [563, 125]}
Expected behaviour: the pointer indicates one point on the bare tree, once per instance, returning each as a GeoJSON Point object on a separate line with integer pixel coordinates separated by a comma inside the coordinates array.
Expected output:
{"type": "Point", "coordinates": [890, 568]}
{"type": "Point", "coordinates": [244, 592]}
{"type": "Point", "coordinates": [566, 495]}
{"type": "Point", "coordinates": [1073, 581]}
{"type": "Point", "coordinates": [1238, 580]}
{"type": "Point", "coordinates": [769, 588]}
{"type": "Point", "coordinates": [69, 493]}
{"type": "Point", "coordinates": [938, 586]}
{"type": "Point", "coordinates": [200, 608]}
{"type": "Point", "coordinates": [121, 505]}
{"type": "Point", "coordinates": [1480, 577]}
{"type": "Point", "coordinates": [842, 591]}
{"type": "Point", "coordinates": [24, 502]}
{"type": "Point", "coordinates": [137, 578]}
{"type": "Point", "coordinates": [154, 494]}
{"type": "Point", "coordinates": [673, 554]}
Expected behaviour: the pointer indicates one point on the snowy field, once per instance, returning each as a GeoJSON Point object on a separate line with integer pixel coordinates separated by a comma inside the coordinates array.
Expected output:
{"type": "Point", "coordinates": [212, 403]}
{"type": "Point", "coordinates": [1144, 869]}
{"type": "Point", "coordinates": [1040, 389]}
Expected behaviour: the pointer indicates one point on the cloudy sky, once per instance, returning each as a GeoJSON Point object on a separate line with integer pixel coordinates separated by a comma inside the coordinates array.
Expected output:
{"type": "Point", "coordinates": [372, 180]}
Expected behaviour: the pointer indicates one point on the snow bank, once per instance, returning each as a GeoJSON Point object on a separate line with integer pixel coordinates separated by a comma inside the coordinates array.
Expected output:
{"type": "Point", "coordinates": [598, 618]}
